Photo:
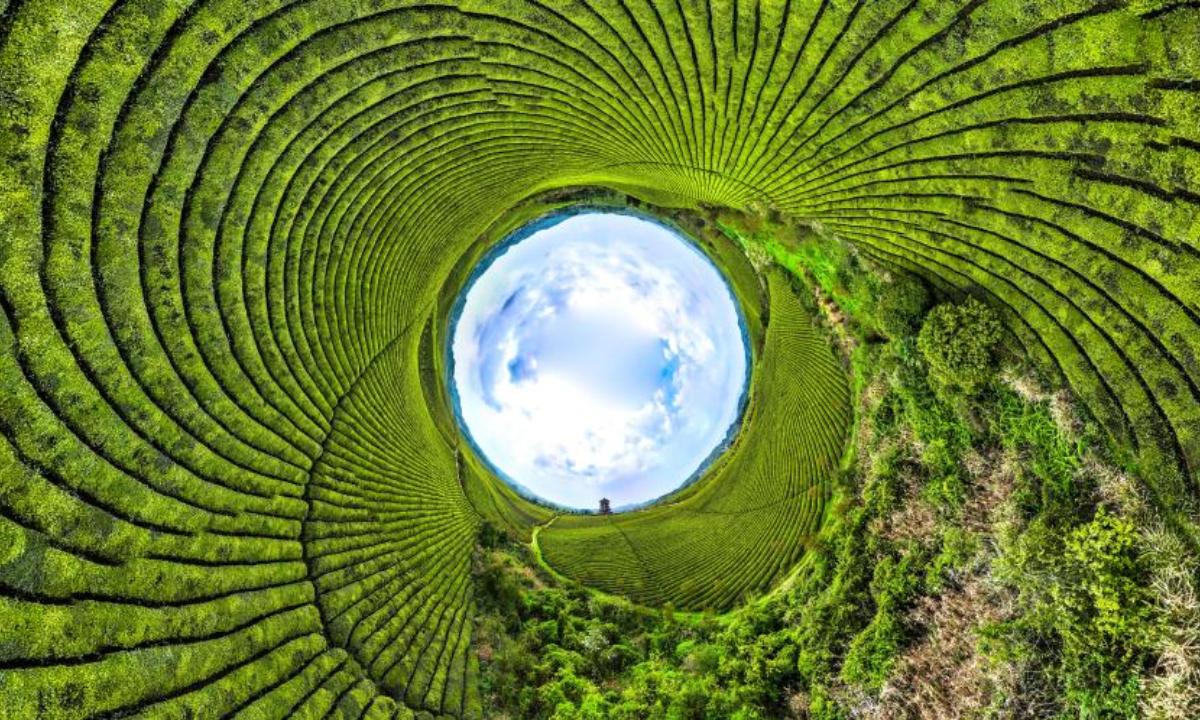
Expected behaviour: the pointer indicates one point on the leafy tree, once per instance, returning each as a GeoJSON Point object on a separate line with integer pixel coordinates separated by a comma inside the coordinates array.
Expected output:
{"type": "Point", "coordinates": [959, 343]}
{"type": "Point", "coordinates": [900, 307]}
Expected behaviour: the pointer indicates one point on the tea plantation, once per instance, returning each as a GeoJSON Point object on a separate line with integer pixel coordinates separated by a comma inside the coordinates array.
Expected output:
{"type": "Point", "coordinates": [231, 232]}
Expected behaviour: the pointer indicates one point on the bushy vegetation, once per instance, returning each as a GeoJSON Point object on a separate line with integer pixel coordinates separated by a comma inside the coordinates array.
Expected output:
{"type": "Point", "coordinates": [960, 346]}
{"type": "Point", "coordinates": [226, 484]}
{"type": "Point", "coordinates": [901, 306]}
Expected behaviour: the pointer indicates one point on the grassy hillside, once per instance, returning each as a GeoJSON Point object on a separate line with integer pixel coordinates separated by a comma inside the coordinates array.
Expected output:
{"type": "Point", "coordinates": [225, 226]}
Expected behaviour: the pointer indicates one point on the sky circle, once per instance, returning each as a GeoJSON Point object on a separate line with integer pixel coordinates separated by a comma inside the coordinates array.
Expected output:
{"type": "Point", "coordinates": [597, 354]}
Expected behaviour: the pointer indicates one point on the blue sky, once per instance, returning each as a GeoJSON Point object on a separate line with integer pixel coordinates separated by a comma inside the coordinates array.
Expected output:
{"type": "Point", "coordinates": [599, 357]}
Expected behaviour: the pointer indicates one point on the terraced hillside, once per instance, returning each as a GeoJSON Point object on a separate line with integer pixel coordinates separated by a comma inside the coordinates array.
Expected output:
{"type": "Point", "coordinates": [224, 225]}
{"type": "Point", "coordinates": [745, 524]}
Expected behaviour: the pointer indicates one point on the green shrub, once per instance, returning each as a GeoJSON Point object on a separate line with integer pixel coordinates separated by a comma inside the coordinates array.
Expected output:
{"type": "Point", "coordinates": [1086, 620]}
{"type": "Point", "coordinates": [901, 306]}
{"type": "Point", "coordinates": [873, 652]}
{"type": "Point", "coordinates": [1105, 615]}
{"type": "Point", "coordinates": [959, 343]}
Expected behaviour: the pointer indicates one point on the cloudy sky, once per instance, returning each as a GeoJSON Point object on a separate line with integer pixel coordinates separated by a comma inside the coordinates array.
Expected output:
{"type": "Point", "coordinates": [599, 357]}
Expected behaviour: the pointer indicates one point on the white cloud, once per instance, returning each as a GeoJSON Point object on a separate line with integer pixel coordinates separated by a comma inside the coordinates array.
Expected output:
{"type": "Point", "coordinates": [600, 356]}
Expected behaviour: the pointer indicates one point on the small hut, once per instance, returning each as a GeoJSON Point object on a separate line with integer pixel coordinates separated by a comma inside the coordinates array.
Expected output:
{"type": "Point", "coordinates": [604, 507]}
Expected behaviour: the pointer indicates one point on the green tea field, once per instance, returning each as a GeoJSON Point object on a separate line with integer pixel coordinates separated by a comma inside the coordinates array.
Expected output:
{"type": "Point", "coordinates": [231, 232]}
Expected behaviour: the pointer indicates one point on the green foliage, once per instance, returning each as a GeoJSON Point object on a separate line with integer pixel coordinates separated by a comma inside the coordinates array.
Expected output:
{"type": "Point", "coordinates": [814, 260]}
{"type": "Point", "coordinates": [958, 548]}
{"type": "Point", "coordinates": [1080, 574]}
{"type": "Point", "coordinates": [873, 651]}
{"type": "Point", "coordinates": [1052, 483]}
{"type": "Point", "coordinates": [1085, 595]}
{"type": "Point", "coordinates": [960, 344]}
{"type": "Point", "coordinates": [901, 307]}
{"type": "Point", "coordinates": [1105, 603]}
